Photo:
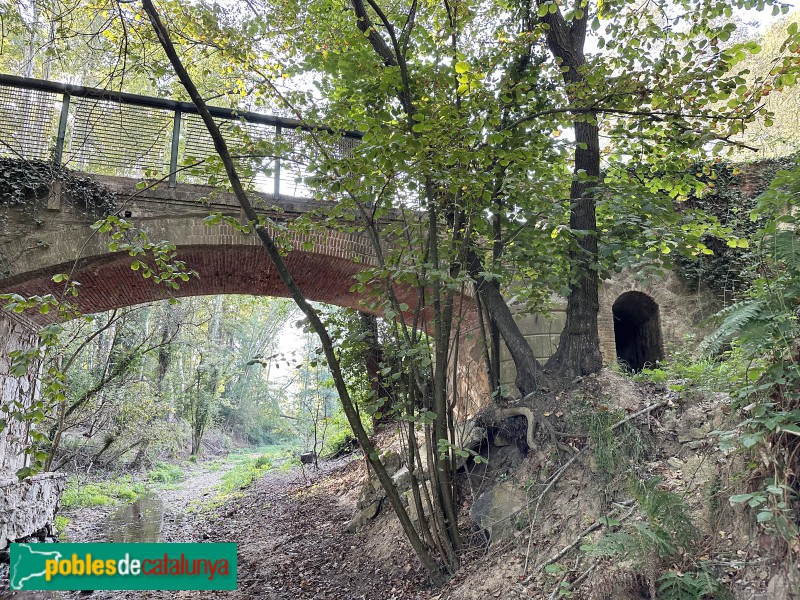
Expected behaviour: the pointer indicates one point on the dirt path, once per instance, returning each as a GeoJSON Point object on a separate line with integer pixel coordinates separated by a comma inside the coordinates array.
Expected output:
{"type": "Point", "coordinates": [290, 531]}
{"type": "Point", "coordinates": [296, 545]}
{"type": "Point", "coordinates": [292, 542]}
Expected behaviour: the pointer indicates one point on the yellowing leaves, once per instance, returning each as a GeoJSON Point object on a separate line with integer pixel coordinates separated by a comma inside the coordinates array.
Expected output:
{"type": "Point", "coordinates": [462, 67]}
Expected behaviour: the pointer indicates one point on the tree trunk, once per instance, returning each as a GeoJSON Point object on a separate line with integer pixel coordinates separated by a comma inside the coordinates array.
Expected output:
{"type": "Point", "coordinates": [392, 493]}
{"type": "Point", "coordinates": [578, 350]}
{"type": "Point", "coordinates": [138, 460]}
{"type": "Point", "coordinates": [530, 376]}
{"type": "Point", "coordinates": [373, 355]}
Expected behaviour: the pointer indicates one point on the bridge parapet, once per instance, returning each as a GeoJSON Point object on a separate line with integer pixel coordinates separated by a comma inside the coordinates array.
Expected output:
{"type": "Point", "coordinates": [129, 135]}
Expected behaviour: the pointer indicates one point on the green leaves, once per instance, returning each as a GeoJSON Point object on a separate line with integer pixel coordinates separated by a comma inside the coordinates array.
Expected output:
{"type": "Point", "coordinates": [25, 472]}
{"type": "Point", "coordinates": [548, 8]}
{"type": "Point", "coordinates": [752, 500]}
{"type": "Point", "coordinates": [555, 569]}
{"type": "Point", "coordinates": [738, 243]}
{"type": "Point", "coordinates": [773, 512]}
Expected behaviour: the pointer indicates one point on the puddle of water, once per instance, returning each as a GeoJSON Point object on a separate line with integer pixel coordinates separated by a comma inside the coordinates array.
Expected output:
{"type": "Point", "coordinates": [140, 521]}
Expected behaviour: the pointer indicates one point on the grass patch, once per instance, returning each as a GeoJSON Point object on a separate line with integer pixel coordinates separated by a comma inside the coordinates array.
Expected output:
{"type": "Point", "coordinates": [613, 449]}
{"type": "Point", "coordinates": [61, 527]}
{"type": "Point", "coordinates": [102, 493]}
{"type": "Point", "coordinates": [165, 473]}
{"type": "Point", "coordinates": [694, 377]}
{"type": "Point", "coordinates": [243, 467]}
{"type": "Point", "coordinates": [244, 473]}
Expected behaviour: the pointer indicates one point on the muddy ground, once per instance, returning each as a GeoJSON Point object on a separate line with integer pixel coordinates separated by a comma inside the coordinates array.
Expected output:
{"type": "Point", "coordinates": [290, 531]}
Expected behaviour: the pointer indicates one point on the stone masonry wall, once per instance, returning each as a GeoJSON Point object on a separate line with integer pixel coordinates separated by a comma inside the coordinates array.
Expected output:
{"type": "Point", "coordinates": [15, 334]}
{"type": "Point", "coordinates": [471, 380]}
{"type": "Point", "coordinates": [681, 313]}
{"type": "Point", "coordinates": [28, 506]}
{"type": "Point", "coordinates": [542, 333]}
{"type": "Point", "coordinates": [55, 237]}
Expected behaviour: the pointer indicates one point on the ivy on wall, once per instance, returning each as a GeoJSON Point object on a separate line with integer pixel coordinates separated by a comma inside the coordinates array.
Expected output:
{"type": "Point", "coordinates": [730, 270]}
{"type": "Point", "coordinates": [27, 183]}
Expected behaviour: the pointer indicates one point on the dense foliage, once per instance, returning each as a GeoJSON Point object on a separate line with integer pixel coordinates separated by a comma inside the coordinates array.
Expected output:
{"type": "Point", "coordinates": [168, 379]}
{"type": "Point", "coordinates": [730, 265]}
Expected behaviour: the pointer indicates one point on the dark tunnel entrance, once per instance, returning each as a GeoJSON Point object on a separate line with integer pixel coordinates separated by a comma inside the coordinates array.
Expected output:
{"type": "Point", "coordinates": [637, 330]}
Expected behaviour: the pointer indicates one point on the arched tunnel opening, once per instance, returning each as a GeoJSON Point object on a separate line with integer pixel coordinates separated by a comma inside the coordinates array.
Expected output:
{"type": "Point", "coordinates": [637, 330]}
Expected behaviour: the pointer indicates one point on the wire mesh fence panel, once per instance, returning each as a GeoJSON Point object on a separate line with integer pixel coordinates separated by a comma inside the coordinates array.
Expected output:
{"type": "Point", "coordinates": [298, 153]}
{"type": "Point", "coordinates": [343, 147]}
{"type": "Point", "coordinates": [108, 134]}
{"type": "Point", "coordinates": [304, 149]}
{"type": "Point", "coordinates": [251, 144]}
{"type": "Point", "coordinates": [111, 138]}
{"type": "Point", "coordinates": [28, 123]}
{"type": "Point", "coordinates": [196, 145]}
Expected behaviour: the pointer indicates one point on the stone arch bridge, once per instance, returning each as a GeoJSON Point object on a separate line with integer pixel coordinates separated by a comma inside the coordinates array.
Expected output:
{"type": "Point", "coordinates": [123, 141]}
{"type": "Point", "coordinates": [112, 143]}
{"type": "Point", "coordinates": [117, 140]}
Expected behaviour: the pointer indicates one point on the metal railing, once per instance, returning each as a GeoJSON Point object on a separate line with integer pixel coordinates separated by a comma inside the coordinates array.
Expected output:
{"type": "Point", "coordinates": [116, 133]}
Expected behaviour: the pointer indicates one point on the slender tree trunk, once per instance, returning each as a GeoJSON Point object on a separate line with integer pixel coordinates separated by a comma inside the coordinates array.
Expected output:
{"type": "Point", "coordinates": [215, 321]}
{"type": "Point", "coordinates": [443, 309]}
{"type": "Point", "coordinates": [530, 376]}
{"type": "Point", "coordinates": [493, 329]}
{"type": "Point", "coordinates": [280, 266]}
{"type": "Point", "coordinates": [373, 355]}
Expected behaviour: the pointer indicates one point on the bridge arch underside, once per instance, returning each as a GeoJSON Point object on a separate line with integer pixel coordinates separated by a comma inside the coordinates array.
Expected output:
{"type": "Point", "coordinates": [108, 282]}
{"type": "Point", "coordinates": [324, 263]}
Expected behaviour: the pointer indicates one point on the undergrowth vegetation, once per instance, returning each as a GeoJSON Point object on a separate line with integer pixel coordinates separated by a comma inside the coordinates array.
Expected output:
{"type": "Point", "coordinates": [250, 466]}
{"type": "Point", "coordinates": [614, 450]}
{"type": "Point", "coordinates": [691, 376]}
{"type": "Point", "coordinates": [754, 357]}
{"type": "Point", "coordinates": [61, 524]}
{"type": "Point", "coordinates": [165, 473]}
{"type": "Point", "coordinates": [653, 541]}
{"type": "Point", "coordinates": [664, 545]}
{"type": "Point", "coordinates": [764, 325]}
{"type": "Point", "coordinates": [80, 494]}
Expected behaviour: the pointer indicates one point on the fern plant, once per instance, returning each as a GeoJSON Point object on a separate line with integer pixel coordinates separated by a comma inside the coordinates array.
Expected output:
{"type": "Point", "coordinates": [691, 586]}
{"type": "Point", "coordinates": [667, 531]}
{"type": "Point", "coordinates": [667, 536]}
{"type": "Point", "coordinates": [766, 327]}
{"type": "Point", "coordinates": [733, 319]}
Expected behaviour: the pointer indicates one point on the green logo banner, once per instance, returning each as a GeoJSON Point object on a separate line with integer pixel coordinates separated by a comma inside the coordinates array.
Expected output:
{"type": "Point", "coordinates": [123, 566]}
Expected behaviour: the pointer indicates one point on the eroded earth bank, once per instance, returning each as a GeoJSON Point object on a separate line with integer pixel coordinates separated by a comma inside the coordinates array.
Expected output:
{"type": "Point", "coordinates": [631, 502]}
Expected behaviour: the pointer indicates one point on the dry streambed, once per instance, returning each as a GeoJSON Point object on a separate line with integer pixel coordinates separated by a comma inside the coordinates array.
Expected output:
{"type": "Point", "coordinates": [160, 513]}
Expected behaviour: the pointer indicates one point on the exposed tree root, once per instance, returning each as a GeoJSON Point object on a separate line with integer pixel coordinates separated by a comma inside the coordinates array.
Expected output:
{"type": "Point", "coordinates": [520, 411]}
